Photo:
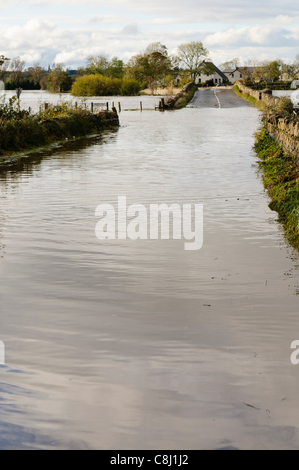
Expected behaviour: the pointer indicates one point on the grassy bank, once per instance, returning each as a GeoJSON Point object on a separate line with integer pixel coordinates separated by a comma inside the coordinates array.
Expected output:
{"type": "Point", "coordinates": [185, 99]}
{"type": "Point", "coordinates": [20, 131]}
{"type": "Point", "coordinates": [281, 180]}
{"type": "Point", "coordinates": [259, 104]}
{"type": "Point", "coordinates": [181, 99]}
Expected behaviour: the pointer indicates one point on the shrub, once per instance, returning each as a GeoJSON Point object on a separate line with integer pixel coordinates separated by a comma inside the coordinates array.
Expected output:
{"type": "Point", "coordinates": [100, 85]}
{"type": "Point", "coordinates": [184, 81]}
{"type": "Point", "coordinates": [10, 111]}
{"type": "Point", "coordinates": [284, 107]}
{"type": "Point", "coordinates": [130, 87]}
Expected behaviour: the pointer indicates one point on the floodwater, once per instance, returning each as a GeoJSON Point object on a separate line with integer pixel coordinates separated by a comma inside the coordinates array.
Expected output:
{"type": "Point", "coordinates": [122, 344]}
{"type": "Point", "coordinates": [35, 99]}
{"type": "Point", "coordinates": [283, 93]}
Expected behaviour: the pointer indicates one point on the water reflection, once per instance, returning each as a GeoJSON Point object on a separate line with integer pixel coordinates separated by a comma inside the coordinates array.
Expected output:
{"type": "Point", "coordinates": [118, 344]}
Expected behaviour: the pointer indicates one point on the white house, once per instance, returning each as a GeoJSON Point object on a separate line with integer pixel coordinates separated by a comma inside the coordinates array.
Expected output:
{"type": "Point", "coordinates": [233, 75]}
{"type": "Point", "coordinates": [218, 77]}
{"type": "Point", "coordinates": [240, 73]}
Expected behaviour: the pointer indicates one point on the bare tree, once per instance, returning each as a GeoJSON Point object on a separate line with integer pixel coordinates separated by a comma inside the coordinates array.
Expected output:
{"type": "Point", "coordinates": [156, 47]}
{"type": "Point", "coordinates": [230, 64]}
{"type": "Point", "coordinates": [36, 72]}
{"type": "Point", "coordinates": [192, 56]}
{"type": "Point", "coordinates": [16, 68]}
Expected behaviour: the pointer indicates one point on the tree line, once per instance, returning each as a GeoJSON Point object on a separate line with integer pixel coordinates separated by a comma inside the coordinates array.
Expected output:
{"type": "Point", "coordinates": [265, 70]}
{"type": "Point", "coordinates": [151, 68]}
{"type": "Point", "coordinates": [14, 74]}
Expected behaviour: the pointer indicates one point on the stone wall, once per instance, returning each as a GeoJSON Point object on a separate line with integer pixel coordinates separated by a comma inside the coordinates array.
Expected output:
{"type": "Point", "coordinates": [283, 129]}
{"type": "Point", "coordinates": [170, 103]}
{"type": "Point", "coordinates": [265, 95]}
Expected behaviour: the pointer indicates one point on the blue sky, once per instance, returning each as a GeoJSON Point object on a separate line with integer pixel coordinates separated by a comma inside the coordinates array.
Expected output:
{"type": "Point", "coordinates": [68, 31]}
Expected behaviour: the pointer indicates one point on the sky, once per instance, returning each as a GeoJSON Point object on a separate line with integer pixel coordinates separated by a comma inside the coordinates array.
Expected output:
{"type": "Point", "coordinates": [68, 31]}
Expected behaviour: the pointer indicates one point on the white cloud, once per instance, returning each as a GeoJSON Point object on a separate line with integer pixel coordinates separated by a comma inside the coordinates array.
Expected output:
{"type": "Point", "coordinates": [31, 57]}
{"type": "Point", "coordinates": [285, 20]}
{"type": "Point", "coordinates": [256, 35]}
{"type": "Point", "coordinates": [64, 34]}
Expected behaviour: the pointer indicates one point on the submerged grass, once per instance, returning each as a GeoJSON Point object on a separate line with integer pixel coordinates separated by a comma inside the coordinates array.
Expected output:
{"type": "Point", "coordinates": [281, 179]}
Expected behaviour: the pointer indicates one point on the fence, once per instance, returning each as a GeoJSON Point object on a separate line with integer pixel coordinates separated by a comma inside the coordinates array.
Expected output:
{"type": "Point", "coordinates": [96, 107]}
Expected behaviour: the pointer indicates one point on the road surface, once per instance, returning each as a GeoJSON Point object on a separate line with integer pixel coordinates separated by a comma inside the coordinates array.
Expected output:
{"type": "Point", "coordinates": [217, 98]}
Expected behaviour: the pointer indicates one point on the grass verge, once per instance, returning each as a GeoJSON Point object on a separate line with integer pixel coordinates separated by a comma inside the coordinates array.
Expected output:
{"type": "Point", "coordinates": [258, 104]}
{"type": "Point", "coordinates": [281, 180]}
{"type": "Point", "coordinates": [184, 100]}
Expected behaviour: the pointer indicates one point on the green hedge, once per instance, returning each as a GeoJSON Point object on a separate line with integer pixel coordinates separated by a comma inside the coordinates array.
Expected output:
{"type": "Point", "coordinates": [100, 85]}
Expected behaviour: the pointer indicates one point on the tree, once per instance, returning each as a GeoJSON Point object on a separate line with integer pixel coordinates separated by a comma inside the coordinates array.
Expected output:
{"type": "Point", "coordinates": [95, 65]}
{"type": "Point", "coordinates": [58, 80]}
{"type": "Point", "coordinates": [16, 67]}
{"type": "Point", "coordinates": [191, 57]}
{"type": "Point", "coordinates": [101, 65]}
{"type": "Point", "coordinates": [3, 59]}
{"type": "Point", "coordinates": [230, 64]}
{"type": "Point", "coordinates": [156, 47]}
{"type": "Point", "coordinates": [4, 63]}
{"type": "Point", "coordinates": [150, 66]}
{"type": "Point", "coordinates": [273, 70]}
{"type": "Point", "coordinates": [36, 73]}
{"type": "Point", "coordinates": [290, 71]}
{"type": "Point", "coordinates": [115, 68]}
{"type": "Point", "coordinates": [267, 71]}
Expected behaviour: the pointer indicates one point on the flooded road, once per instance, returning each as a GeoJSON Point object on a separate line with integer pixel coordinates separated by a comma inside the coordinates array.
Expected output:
{"type": "Point", "coordinates": [122, 344]}
{"type": "Point", "coordinates": [217, 98]}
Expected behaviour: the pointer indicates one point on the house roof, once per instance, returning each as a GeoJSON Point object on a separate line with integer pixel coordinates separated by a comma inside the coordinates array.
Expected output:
{"type": "Point", "coordinates": [248, 69]}
{"type": "Point", "coordinates": [218, 71]}
{"type": "Point", "coordinates": [244, 70]}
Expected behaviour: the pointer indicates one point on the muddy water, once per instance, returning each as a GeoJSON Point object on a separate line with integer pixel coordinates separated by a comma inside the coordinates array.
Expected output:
{"type": "Point", "coordinates": [111, 345]}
